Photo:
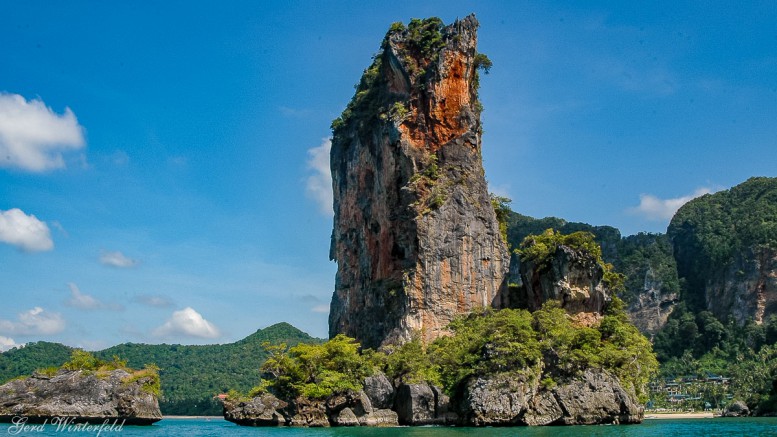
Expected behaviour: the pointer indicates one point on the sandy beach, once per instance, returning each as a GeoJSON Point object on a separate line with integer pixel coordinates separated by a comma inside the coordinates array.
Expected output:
{"type": "Point", "coordinates": [700, 415]}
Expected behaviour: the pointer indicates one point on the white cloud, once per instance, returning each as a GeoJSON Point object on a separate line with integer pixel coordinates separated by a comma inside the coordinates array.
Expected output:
{"type": "Point", "coordinates": [34, 321]}
{"type": "Point", "coordinates": [86, 302]}
{"type": "Point", "coordinates": [319, 184]}
{"type": "Point", "coordinates": [33, 137]}
{"type": "Point", "coordinates": [80, 300]}
{"type": "Point", "coordinates": [654, 208]}
{"type": "Point", "coordinates": [323, 308]}
{"type": "Point", "coordinates": [117, 259]}
{"type": "Point", "coordinates": [24, 231]}
{"type": "Point", "coordinates": [7, 344]}
{"type": "Point", "coordinates": [153, 301]}
{"type": "Point", "coordinates": [187, 322]}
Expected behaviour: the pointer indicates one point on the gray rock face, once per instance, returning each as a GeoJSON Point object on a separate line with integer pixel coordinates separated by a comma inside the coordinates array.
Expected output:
{"type": "Point", "coordinates": [652, 307]}
{"type": "Point", "coordinates": [382, 417]}
{"type": "Point", "coordinates": [543, 409]}
{"type": "Point", "coordinates": [86, 396]}
{"type": "Point", "coordinates": [497, 401]}
{"type": "Point", "coordinates": [307, 412]}
{"type": "Point", "coordinates": [422, 404]}
{"type": "Point", "coordinates": [379, 390]}
{"type": "Point", "coordinates": [415, 236]}
{"type": "Point", "coordinates": [264, 410]}
{"type": "Point", "coordinates": [595, 397]}
{"type": "Point", "coordinates": [736, 409]}
{"type": "Point", "coordinates": [346, 417]}
{"type": "Point", "coordinates": [746, 288]}
{"type": "Point", "coordinates": [573, 278]}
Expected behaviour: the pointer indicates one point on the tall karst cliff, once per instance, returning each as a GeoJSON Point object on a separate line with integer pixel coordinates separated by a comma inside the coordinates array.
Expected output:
{"type": "Point", "coordinates": [415, 236]}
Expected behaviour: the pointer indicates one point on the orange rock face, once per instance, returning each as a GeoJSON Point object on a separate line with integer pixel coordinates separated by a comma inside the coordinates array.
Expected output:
{"type": "Point", "coordinates": [415, 236]}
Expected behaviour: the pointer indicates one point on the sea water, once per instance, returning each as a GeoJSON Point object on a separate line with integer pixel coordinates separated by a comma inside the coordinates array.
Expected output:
{"type": "Point", "coordinates": [750, 427]}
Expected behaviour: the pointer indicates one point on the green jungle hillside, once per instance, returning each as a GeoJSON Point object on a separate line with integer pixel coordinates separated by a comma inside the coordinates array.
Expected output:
{"type": "Point", "coordinates": [191, 375]}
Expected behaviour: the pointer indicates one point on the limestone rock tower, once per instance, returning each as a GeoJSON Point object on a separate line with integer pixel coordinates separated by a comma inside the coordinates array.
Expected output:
{"type": "Point", "coordinates": [415, 236]}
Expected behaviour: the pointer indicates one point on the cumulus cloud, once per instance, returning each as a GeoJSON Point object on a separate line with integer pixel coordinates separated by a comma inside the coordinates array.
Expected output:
{"type": "Point", "coordinates": [117, 259]}
{"type": "Point", "coordinates": [24, 231]}
{"type": "Point", "coordinates": [153, 301]}
{"type": "Point", "coordinates": [34, 321]}
{"type": "Point", "coordinates": [318, 185]}
{"type": "Point", "coordinates": [33, 137]}
{"type": "Point", "coordinates": [187, 322]}
{"type": "Point", "coordinates": [654, 208]}
{"type": "Point", "coordinates": [7, 344]}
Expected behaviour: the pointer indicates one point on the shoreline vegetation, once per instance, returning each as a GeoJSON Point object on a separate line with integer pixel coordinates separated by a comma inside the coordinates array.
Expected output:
{"type": "Point", "coordinates": [685, 415]}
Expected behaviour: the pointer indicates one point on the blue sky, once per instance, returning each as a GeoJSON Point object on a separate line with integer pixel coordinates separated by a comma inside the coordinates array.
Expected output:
{"type": "Point", "coordinates": [163, 177]}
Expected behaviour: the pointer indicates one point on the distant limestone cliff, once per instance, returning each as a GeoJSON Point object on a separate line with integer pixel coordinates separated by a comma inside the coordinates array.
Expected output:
{"type": "Point", "coordinates": [415, 236]}
{"type": "Point", "coordinates": [726, 250]}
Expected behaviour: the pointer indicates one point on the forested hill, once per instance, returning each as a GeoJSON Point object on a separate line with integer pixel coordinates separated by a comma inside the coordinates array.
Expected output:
{"type": "Point", "coordinates": [726, 244]}
{"type": "Point", "coordinates": [191, 375]}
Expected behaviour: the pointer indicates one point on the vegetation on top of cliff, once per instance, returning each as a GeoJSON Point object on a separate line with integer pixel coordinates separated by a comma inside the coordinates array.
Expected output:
{"type": "Point", "coordinates": [424, 40]}
{"type": "Point", "coordinates": [368, 98]}
{"type": "Point", "coordinates": [636, 256]}
{"type": "Point", "coordinates": [520, 226]}
{"type": "Point", "coordinates": [709, 232]}
{"type": "Point", "coordinates": [540, 250]}
{"type": "Point", "coordinates": [85, 362]}
{"type": "Point", "coordinates": [315, 371]}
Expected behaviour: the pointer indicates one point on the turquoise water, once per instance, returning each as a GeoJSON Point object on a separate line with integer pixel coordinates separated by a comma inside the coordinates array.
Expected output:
{"type": "Point", "coordinates": [750, 427]}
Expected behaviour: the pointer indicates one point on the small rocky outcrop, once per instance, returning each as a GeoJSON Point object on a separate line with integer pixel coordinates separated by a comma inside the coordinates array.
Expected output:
{"type": "Point", "coordinates": [594, 397]}
{"type": "Point", "coordinates": [423, 404]}
{"type": "Point", "coordinates": [572, 277]}
{"type": "Point", "coordinates": [500, 400]}
{"type": "Point", "coordinates": [263, 410]}
{"type": "Point", "coordinates": [736, 409]}
{"type": "Point", "coordinates": [87, 396]}
{"type": "Point", "coordinates": [415, 236]}
{"type": "Point", "coordinates": [344, 409]}
{"type": "Point", "coordinates": [307, 412]}
{"type": "Point", "coordinates": [379, 390]}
